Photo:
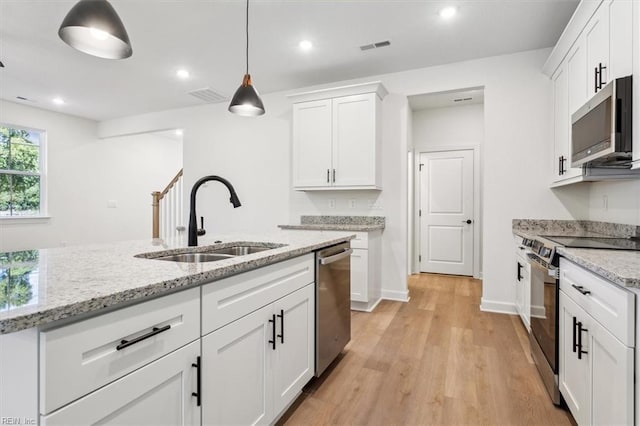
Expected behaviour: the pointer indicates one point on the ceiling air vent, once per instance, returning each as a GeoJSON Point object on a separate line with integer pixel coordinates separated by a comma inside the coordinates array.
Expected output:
{"type": "Point", "coordinates": [377, 45]}
{"type": "Point", "coordinates": [209, 96]}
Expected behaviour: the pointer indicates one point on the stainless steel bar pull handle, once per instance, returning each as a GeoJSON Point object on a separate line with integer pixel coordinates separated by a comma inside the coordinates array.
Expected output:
{"type": "Point", "coordinates": [336, 257]}
{"type": "Point", "coordinates": [328, 172]}
{"type": "Point", "coordinates": [334, 175]}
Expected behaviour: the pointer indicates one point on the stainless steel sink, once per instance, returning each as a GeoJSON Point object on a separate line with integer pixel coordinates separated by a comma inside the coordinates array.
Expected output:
{"type": "Point", "coordinates": [195, 257]}
{"type": "Point", "coordinates": [240, 250]}
{"type": "Point", "coordinates": [211, 254]}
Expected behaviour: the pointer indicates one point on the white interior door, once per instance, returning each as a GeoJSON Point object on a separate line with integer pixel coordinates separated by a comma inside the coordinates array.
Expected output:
{"type": "Point", "coordinates": [446, 205]}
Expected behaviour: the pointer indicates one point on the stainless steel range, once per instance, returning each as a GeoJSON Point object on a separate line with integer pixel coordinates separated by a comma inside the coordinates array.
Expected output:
{"type": "Point", "coordinates": [545, 288]}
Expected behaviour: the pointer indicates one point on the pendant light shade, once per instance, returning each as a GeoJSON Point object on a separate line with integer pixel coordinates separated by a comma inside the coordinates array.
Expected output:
{"type": "Point", "coordinates": [246, 101]}
{"type": "Point", "coordinates": [94, 27]}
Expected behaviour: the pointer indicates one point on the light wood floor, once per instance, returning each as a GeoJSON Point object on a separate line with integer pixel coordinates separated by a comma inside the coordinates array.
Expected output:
{"type": "Point", "coordinates": [434, 360]}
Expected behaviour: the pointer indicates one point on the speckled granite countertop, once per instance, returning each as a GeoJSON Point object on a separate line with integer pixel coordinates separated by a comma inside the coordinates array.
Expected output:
{"type": "Point", "coordinates": [53, 284]}
{"type": "Point", "coordinates": [339, 223]}
{"type": "Point", "coordinates": [619, 266]}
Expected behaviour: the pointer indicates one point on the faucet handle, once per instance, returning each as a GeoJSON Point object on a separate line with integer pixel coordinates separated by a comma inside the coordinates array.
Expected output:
{"type": "Point", "coordinates": [201, 231]}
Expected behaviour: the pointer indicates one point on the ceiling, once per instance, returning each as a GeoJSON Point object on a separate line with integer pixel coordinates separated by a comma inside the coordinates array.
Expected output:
{"type": "Point", "coordinates": [207, 38]}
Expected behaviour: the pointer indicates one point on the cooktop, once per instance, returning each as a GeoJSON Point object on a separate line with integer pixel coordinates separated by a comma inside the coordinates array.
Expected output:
{"type": "Point", "coordinates": [596, 242]}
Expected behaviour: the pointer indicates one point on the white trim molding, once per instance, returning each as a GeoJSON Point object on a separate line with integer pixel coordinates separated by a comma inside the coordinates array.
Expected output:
{"type": "Point", "coordinates": [498, 307]}
{"type": "Point", "coordinates": [400, 296]}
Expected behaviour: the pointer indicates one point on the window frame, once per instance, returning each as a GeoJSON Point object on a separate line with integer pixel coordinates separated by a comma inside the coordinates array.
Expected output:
{"type": "Point", "coordinates": [43, 211]}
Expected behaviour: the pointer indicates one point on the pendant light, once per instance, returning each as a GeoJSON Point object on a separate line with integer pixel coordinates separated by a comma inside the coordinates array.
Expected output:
{"type": "Point", "coordinates": [94, 27]}
{"type": "Point", "coordinates": [246, 100]}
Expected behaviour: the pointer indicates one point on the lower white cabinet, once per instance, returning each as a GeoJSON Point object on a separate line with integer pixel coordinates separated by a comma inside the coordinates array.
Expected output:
{"type": "Point", "coordinates": [366, 282]}
{"type": "Point", "coordinates": [160, 393]}
{"type": "Point", "coordinates": [254, 367]}
{"type": "Point", "coordinates": [596, 368]}
{"type": "Point", "coordinates": [523, 286]}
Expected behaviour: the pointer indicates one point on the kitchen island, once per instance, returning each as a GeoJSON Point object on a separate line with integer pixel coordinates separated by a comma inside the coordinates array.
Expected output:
{"type": "Point", "coordinates": [109, 333]}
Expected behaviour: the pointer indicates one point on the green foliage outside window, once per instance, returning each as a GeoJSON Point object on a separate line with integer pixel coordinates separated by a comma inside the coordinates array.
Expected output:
{"type": "Point", "coordinates": [19, 172]}
{"type": "Point", "coordinates": [18, 274]}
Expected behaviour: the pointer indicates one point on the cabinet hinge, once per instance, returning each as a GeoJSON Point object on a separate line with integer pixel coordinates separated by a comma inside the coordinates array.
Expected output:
{"type": "Point", "coordinates": [420, 167]}
{"type": "Point", "coordinates": [419, 258]}
{"type": "Point", "coordinates": [420, 213]}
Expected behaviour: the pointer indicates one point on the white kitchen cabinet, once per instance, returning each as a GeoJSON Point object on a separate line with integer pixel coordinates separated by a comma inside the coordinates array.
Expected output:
{"type": "Point", "coordinates": [562, 127]}
{"type": "Point", "coordinates": [523, 284]}
{"type": "Point", "coordinates": [337, 138]}
{"type": "Point", "coordinates": [366, 280]}
{"type": "Point", "coordinates": [254, 367]}
{"type": "Point", "coordinates": [597, 44]}
{"type": "Point", "coordinates": [160, 393]}
{"type": "Point", "coordinates": [312, 134]}
{"type": "Point", "coordinates": [596, 347]}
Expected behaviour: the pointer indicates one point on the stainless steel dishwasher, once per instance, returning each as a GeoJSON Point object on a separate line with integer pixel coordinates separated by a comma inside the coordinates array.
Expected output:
{"type": "Point", "coordinates": [333, 303]}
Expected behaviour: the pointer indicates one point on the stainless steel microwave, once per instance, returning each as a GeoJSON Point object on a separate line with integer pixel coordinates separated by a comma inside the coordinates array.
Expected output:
{"type": "Point", "coordinates": [601, 129]}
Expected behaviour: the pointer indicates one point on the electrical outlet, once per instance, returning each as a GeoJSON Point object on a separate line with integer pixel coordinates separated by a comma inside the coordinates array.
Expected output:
{"type": "Point", "coordinates": [353, 203]}
{"type": "Point", "coordinates": [375, 205]}
{"type": "Point", "coordinates": [332, 203]}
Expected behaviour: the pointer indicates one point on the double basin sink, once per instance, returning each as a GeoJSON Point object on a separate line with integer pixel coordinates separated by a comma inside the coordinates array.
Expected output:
{"type": "Point", "coordinates": [211, 254]}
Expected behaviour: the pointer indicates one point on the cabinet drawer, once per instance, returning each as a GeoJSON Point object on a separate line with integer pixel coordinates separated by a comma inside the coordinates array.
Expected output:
{"type": "Point", "coordinates": [361, 241]}
{"type": "Point", "coordinates": [610, 305]}
{"type": "Point", "coordinates": [226, 300]}
{"type": "Point", "coordinates": [78, 358]}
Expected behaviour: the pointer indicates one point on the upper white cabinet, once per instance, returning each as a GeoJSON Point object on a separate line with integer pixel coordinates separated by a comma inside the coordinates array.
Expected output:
{"type": "Point", "coordinates": [337, 138]}
{"type": "Point", "coordinates": [596, 47]}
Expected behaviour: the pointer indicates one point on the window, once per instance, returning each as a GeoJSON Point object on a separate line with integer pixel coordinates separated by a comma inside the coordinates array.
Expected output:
{"type": "Point", "coordinates": [21, 172]}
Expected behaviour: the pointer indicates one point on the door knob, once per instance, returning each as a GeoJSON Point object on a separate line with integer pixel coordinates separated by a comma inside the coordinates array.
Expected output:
{"type": "Point", "coordinates": [468, 221]}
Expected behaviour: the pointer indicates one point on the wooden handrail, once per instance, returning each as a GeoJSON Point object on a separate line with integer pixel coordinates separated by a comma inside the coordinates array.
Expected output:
{"type": "Point", "coordinates": [170, 185]}
{"type": "Point", "coordinates": [156, 197]}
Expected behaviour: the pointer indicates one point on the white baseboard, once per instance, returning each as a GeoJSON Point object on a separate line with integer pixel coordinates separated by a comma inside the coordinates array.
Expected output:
{"type": "Point", "coordinates": [400, 296]}
{"type": "Point", "coordinates": [364, 306]}
{"type": "Point", "coordinates": [498, 307]}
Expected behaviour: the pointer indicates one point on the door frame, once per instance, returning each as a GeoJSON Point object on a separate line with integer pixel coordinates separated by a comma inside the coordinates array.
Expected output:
{"type": "Point", "coordinates": [477, 202]}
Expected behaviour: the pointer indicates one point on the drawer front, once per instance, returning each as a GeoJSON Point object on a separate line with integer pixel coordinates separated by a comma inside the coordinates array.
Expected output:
{"type": "Point", "coordinates": [226, 300]}
{"type": "Point", "coordinates": [611, 305]}
{"type": "Point", "coordinates": [361, 241]}
{"type": "Point", "coordinates": [78, 358]}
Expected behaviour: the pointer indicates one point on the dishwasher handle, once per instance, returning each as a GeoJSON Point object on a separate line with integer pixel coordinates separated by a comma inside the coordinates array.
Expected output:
{"type": "Point", "coordinates": [330, 259]}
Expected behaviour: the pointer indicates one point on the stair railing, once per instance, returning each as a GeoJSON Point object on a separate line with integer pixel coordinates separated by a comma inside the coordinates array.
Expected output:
{"type": "Point", "coordinates": [168, 212]}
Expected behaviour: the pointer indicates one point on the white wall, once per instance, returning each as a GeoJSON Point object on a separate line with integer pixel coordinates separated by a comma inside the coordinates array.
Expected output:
{"type": "Point", "coordinates": [83, 173]}
{"type": "Point", "coordinates": [617, 202]}
{"type": "Point", "coordinates": [254, 154]}
{"type": "Point", "coordinates": [455, 125]}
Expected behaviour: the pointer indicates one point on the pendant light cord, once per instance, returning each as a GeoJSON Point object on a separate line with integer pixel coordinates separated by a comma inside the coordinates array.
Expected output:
{"type": "Point", "coordinates": [247, 34]}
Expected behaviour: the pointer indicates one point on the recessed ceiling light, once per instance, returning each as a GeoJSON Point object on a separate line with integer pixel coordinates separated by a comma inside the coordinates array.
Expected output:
{"type": "Point", "coordinates": [305, 45]}
{"type": "Point", "coordinates": [179, 132]}
{"type": "Point", "coordinates": [58, 101]}
{"type": "Point", "coordinates": [182, 74]}
{"type": "Point", "coordinates": [448, 12]}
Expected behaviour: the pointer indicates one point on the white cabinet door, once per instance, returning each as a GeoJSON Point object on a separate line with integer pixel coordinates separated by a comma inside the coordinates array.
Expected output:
{"type": "Point", "coordinates": [235, 372]}
{"type": "Point", "coordinates": [597, 43]}
{"type": "Point", "coordinates": [354, 140]}
{"type": "Point", "coordinates": [159, 393]}
{"type": "Point", "coordinates": [620, 41]}
{"type": "Point", "coordinates": [577, 75]}
{"type": "Point", "coordinates": [575, 384]}
{"type": "Point", "coordinates": [294, 362]}
{"type": "Point", "coordinates": [359, 275]}
{"type": "Point", "coordinates": [612, 378]}
{"type": "Point", "coordinates": [312, 144]}
{"type": "Point", "coordinates": [562, 127]}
